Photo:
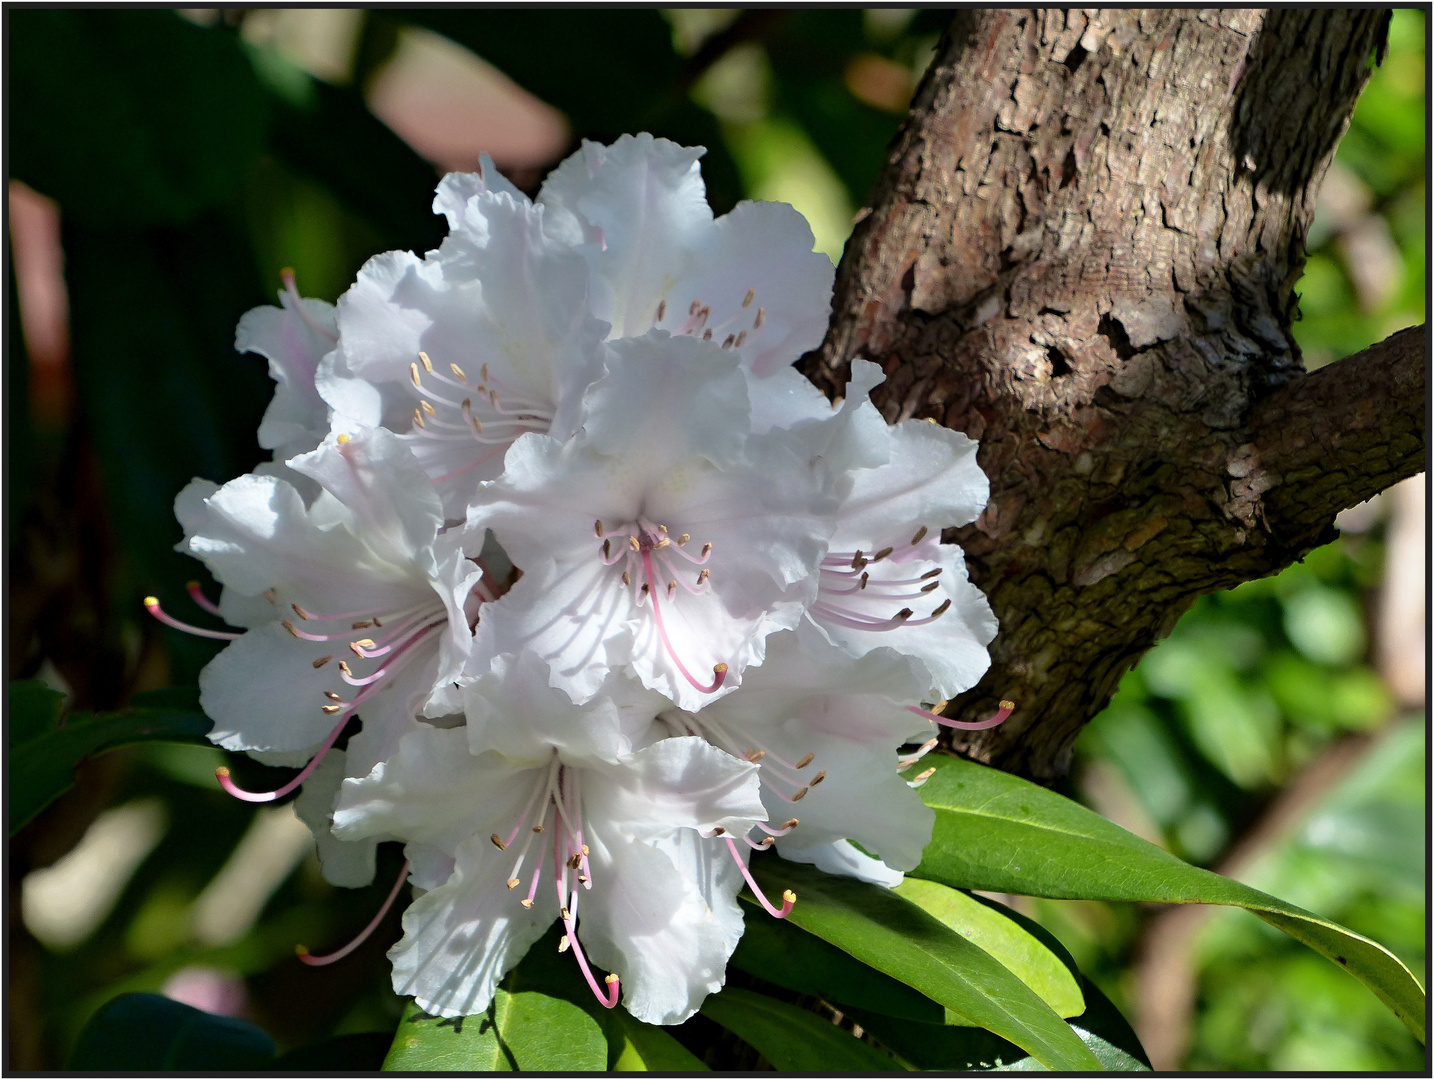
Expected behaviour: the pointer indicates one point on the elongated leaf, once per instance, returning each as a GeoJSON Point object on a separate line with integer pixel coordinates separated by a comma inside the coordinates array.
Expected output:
{"type": "Point", "coordinates": [43, 752]}
{"type": "Point", "coordinates": [1030, 960]}
{"type": "Point", "coordinates": [638, 1047]}
{"type": "Point", "coordinates": [889, 932]}
{"type": "Point", "coordinates": [792, 1039]}
{"type": "Point", "coordinates": [148, 1033]}
{"type": "Point", "coordinates": [426, 1043]}
{"type": "Point", "coordinates": [952, 1048]}
{"type": "Point", "coordinates": [548, 1034]}
{"type": "Point", "coordinates": [782, 953]}
{"type": "Point", "coordinates": [997, 832]}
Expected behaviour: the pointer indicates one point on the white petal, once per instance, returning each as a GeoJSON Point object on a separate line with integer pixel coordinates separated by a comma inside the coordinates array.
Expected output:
{"type": "Point", "coordinates": [433, 791]}
{"type": "Point", "coordinates": [281, 709]}
{"type": "Point", "coordinates": [932, 479]}
{"type": "Point", "coordinates": [840, 857]}
{"type": "Point", "coordinates": [676, 783]}
{"type": "Point", "coordinates": [640, 203]}
{"type": "Point", "coordinates": [460, 938]}
{"type": "Point", "coordinates": [347, 863]}
{"type": "Point", "coordinates": [455, 189]}
{"type": "Point", "coordinates": [664, 917]}
{"type": "Point", "coordinates": [513, 710]}
{"type": "Point", "coordinates": [380, 483]}
{"type": "Point", "coordinates": [293, 338]}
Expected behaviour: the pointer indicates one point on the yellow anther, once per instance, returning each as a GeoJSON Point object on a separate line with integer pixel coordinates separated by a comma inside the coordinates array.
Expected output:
{"type": "Point", "coordinates": [747, 300]}
{"type": "Point", "coordinates": [683, 539]}
{"type": "Point", "coordinates": [609, 979]}
{"type": "Point", "coordinates": [413, 374]}
{"type": "Point", "coordinates": [429, 409]}
{"type": "Point", "coordinates": [1007, 705]}
{"type": "Point", "coordinates": [632, 543]}
{"type": "Point", "coordinates": [343, 439]}
{"type": "Point", "coordinates": [512, 883]}
{"type": "Point", "coordinates": [458, 372]}
{"type": "Point", "coordinates": [563, 944]}
{"type": "Point", "coordinates": [805, 761]}
{"type": "Point", "coordinates": [331, 709]}
{"type": "Point", "coordinates": [427, 363]}
{"type": "Point", "coordinates": [332, 696]}
{"type": "Point", "coordinates": [498, 842]}
{"type": "Point", "coordinates": [526, 902]}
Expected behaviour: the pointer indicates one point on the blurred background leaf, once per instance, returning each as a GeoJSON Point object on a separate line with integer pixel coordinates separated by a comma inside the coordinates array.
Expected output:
{"type": "Point", "coordinates": [165, 168]}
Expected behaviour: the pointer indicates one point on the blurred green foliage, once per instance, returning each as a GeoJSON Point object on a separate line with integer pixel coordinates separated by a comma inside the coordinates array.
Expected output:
{"type": "Point", "coordinates": [190, 165]}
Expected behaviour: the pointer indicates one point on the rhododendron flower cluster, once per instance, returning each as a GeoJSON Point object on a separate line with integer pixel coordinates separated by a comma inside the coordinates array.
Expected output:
{"type": "Point", "coordinates": [564, 578]}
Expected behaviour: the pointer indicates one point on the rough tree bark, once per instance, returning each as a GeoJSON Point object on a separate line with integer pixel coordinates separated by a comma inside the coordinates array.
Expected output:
{"type": "Point", "coordinates": [1083, 253]}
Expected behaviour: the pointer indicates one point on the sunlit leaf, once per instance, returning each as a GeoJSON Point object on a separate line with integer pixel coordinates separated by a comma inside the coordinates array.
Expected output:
{"type": "Point", "coordinates": [999, 833]}
{"type": "Point", "coordinates": [783, 954]}
{"type": "Point", "coordinates": [426, 1043]}
{"type": "Point", "coordinates": [1025, 956]}
{"type": "Point", "coordinates": [893, 935]}
{"type": "Point", "coordinates": [638, 1047]}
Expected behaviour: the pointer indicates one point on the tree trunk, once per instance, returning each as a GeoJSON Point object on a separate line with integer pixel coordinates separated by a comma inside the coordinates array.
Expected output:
{"type": "Point", "coordinates": [1083, 253]}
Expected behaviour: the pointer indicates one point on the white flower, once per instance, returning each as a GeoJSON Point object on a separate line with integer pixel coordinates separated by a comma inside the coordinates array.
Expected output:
{"type": "Point", "coordinates": [887, 580]}
{"type": "Point", "coordinates": [663, 535]}
{"type": "Point", "coordinates": [825, 730]}
{"type": "Point", "coordinates": [635, 839]}
{"type": "Point", "coordinates": [470, 346]}
{"type": "Point", "coordinates": [353, 604]}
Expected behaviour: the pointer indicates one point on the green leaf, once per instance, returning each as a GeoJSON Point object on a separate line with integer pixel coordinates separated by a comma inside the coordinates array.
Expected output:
{"type": "Point", "coordinates": [792, 1039]}
{"type": "Point", "coordinates": [150, 1033]}
{"type": "Point", "coordinates": [638, 1047]}
{"type": "Point", "coordinates": [1025, 956]}
{"type": "Point", "coordinates": [964, 1049]}
{"type": "Point", "coordinates": [889, 932]}
{"type": "Point", "coordinates": [426, 1043]}
{"type": "Point", "coordinates": [43, 752]}
{"type": "Point", "coordinates": [549, 1034]}
{"type": "Point", "coordinates": [999, 833]}
{"type": "Point", "coordinates": [784, 954]}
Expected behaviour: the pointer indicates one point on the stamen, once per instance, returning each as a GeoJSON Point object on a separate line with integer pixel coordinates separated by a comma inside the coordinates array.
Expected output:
{"type": "Point", "coordinates": [151, 605]}
{"type": "Point", "coordinates": [707, 334]}
{"type": "Point", "coordinates": [819, 778]}
{"type": "Point", "coordinates": [931, 574]}
{"type": "Point", "coordinates": [413, 374]}
{"type": "Point", "coordinates": [222, 773]}
{"type": "Point", "coordinates": [427, 363]}
{"type": "Point", "coordinates": [203, 601]}
{"type": "Point", "coordinates": [661, 310]}
{"type": "Point", "coordinates": [922, 777]}
{"type": "Point", "coordinates": [300, 612]}
{"type": "Point", "coordinates": [805, 762]}
{"type": "Point", "coordinates": [786, 827]}
{"type": "Point", "coordinates": [920, 535]}
{"type": "Point", "coordinates": [321, 661]}
{"type": "Point", "coordinates": [1007, 707]}
{"type": "Point", "coordinates": [597, 527]}
{"type": "Point", "coordinates": [683, 539]}
{"type": "Point", "coordinates": [458, 372]}
{"type": "Point", "coordinates": [760, 319]}
{"type": "Point", "coordinates": [883, 553]}
{"type": "Point", "coordinates": [789, 898]}
{"type": "Point", "coordinates": [498, 842]}
{"type": "Point", "coordinates": [747, 300]}
{"type": "Point", "coordinates": [512, 883]}
{"type": "Point", "coordinates": [320, 961]}
{"type": "Point", "coordinates": [741, 338]}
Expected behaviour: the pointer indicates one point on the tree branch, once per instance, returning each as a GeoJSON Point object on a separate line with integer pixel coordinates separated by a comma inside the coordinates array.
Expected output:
{"type": "Point", "coordinates": [1083, 253]}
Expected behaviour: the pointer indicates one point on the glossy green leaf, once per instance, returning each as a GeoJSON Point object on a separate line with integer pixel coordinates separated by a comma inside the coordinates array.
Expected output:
{"type": "Point", "coordinates": [999, 833]}
{"type": "Point", "coordinates": [148, 1033]}
{"type": "Point", "coordinates": [637, 1047]}
{"type": "Point", "coordinates": [549, 1034]}
{"type": "Point", "coordinates": [782, 953]}
{"type": "Point", "coordinates": [43, 751]}
{"type": "Point", "coordinates": [952, 1048]}
{"type": "Point", "coordinates": [889, 932]}
{"type": "Point", "coordinates": [426, 1043]}
{"type": "Point", "coordinates": [1030, 960]}
{"type": "Point", "coordinates": [792, 1039]}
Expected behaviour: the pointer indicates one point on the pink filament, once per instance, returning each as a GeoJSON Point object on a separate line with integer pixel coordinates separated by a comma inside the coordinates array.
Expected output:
{"type": "Point", "coordinates": [197, 595]}
{"type": "Point", "coordinates": [320, 961]}
{"type": "Point", "coordinates": [966, 725]}
{"type": "Point", "coordinates": [227, 783]}
{"type": "Point", "coordinates": [757, 889]}
{"type": "Point", "coordinates": [151, 605]}
{"type": "Point", "coordinates": [719, 672]}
